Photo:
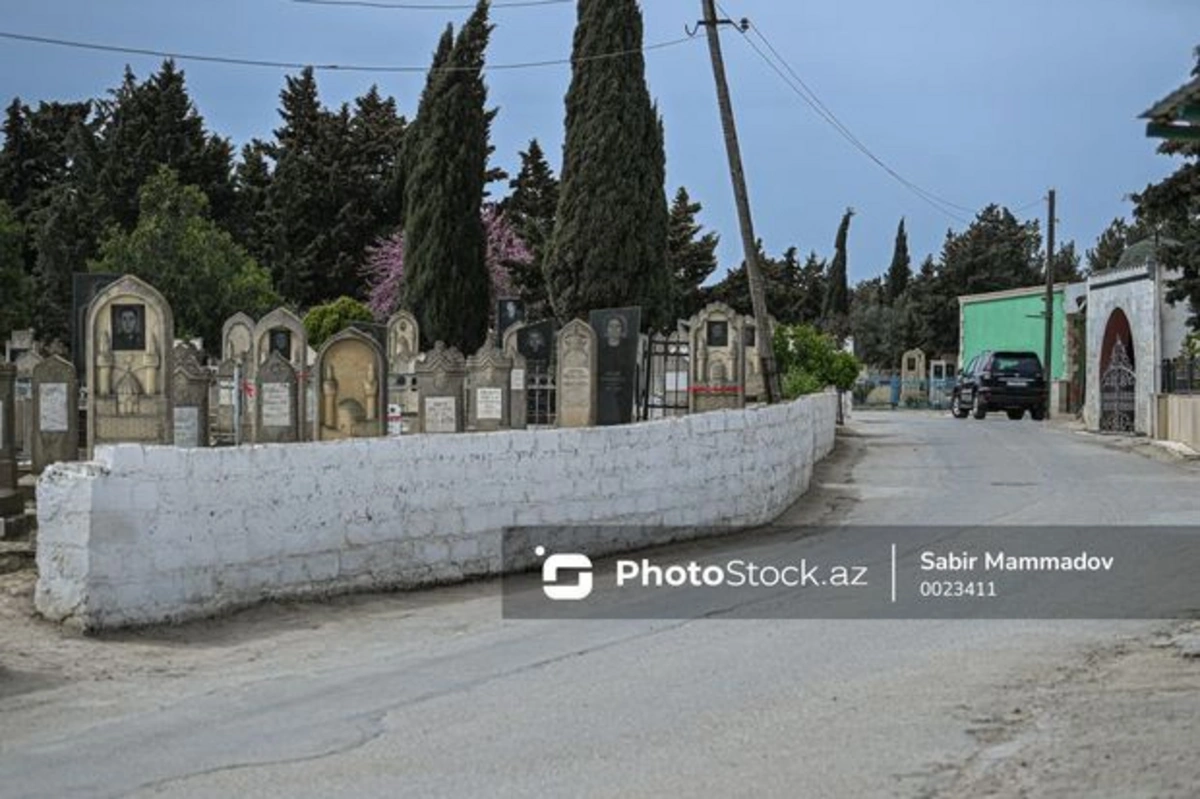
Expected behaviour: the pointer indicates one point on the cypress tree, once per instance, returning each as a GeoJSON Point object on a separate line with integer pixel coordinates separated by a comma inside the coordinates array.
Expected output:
{"type": "Point", "coordinates": [900, 272]}
{"type": "Point", "coordinates": [446, 281]}
{"type": "Point", "coordinates": [530, 209]}
{"type": "Point", "coordinates": [837, 292]}
{"type": "Point", "coordinates": [609, 246]}
{"type": "Point", "coordinates": [692, 256]}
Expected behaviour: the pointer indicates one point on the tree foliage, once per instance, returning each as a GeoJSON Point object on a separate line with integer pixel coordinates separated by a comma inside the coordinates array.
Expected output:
{"type": "Point", "coordinates": [446, 282]}
{"type": "Point", "coordinates": [180, 250]}
{"type": "Point", "coordinates": [900, 270]}
{"type": "Point", "coordinates": [691, 254]}
{"type": "Point", "coordinates": [809, 361]}
{"type": "Point", "coordinates": [530, 208]}
{"type": "Point", "coordinates": [609, 246]}
{"type": "Point", "coordinates": [836, 310]}
{"type": "Point", "coordinates": [16, 284]}
{"type": "Point", "coordinates": [322, 322]}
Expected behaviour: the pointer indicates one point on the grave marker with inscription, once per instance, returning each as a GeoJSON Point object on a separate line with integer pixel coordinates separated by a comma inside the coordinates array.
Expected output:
{"type": "Point", "coordinates": [577, 375]}
{"type": "Point", "coordinates": [190, 390]}
{"type": "Point", "coordinates": [404, 341]}
{"type": "Point", "coordinates": [278, 419]}
{"type": "Point", "coordinates": [282, 331]}
{"type": "Point", "coordinates": [617, 331]}
{"type": "Point", "coordinates": [489, 376]}
{"type": "Point", "coordinates": [440, 379]}
{"type": "Point", "coordinates": [717, 358]}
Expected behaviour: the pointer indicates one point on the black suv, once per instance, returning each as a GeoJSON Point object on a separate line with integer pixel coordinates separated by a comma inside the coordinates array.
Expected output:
{"type": "Point", "coordinates": [1001, 381]}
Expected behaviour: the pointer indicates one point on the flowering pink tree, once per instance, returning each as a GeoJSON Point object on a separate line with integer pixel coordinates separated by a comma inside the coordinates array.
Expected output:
{"type": "Point", "coordinates": [384, 269]}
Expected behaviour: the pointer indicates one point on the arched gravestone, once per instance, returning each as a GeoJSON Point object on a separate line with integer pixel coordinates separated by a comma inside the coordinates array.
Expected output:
{"type": "Point", "coordinates": [353, 380]}
{"type": "Point", "coordinates": [237, 338]}
{"type": "Point", "coordinates": [576, 375]}
{"type": "Point", "coordinates": [283, 332]}
{"type": "Point", "coordinates": [913, 389]}
{"type": "Point", "coordinates": [55, 413]}
{"type": "Point", "coordinates": [23, 400]}
{"type": "Point", "coordinates": [756, 387]}
{"type": "Point", "coordinates": [518, 398]}
{"type": "Point", "coordinates": [190, 383]}
{"type": "Point", "coordinates": [717, 359]}
{"type": "Point", "coordinates": [440, 379]}
{"type": "Point", "coordinates": [404, 343]}
{"type": "Point", "coordinates": [489, 375]}
{"type": "Point", "coordinates": [129, 331]}
{"type": "Point", "coordinates": [278, 412]}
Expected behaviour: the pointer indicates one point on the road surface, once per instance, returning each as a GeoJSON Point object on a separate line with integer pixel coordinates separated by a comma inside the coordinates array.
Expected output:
{"type": "Point", "coordinates": [433, 694]}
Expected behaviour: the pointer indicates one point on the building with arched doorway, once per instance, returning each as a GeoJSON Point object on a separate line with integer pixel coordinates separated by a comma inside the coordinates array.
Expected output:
{"type": "Point", "coordinates": [1131, 329]}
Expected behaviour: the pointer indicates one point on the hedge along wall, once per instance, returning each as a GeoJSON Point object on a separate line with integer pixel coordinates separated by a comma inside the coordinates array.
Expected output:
{"type": "Point", "coordinates": [143, 535]}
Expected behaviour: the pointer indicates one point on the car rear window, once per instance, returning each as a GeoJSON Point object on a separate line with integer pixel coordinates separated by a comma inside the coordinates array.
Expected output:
{"type": "Point", "coordinates": [1015, 363]}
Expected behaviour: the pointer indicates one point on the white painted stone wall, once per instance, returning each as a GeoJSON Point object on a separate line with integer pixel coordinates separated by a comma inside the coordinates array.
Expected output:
{"type": "Point", "coordinates": [143, 535]}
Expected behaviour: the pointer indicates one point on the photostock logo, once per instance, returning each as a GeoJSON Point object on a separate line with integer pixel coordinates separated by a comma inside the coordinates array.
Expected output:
{"type": "Point", "coordinates": [566, 562]}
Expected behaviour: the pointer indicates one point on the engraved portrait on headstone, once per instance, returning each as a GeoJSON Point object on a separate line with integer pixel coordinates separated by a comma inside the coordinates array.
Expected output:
{"type": "Point", "coordinates": [617, 330]}
{"type": "Point", "coordinates": [509, 311]}
{"type": "Point", "coordinates": [129, 328]}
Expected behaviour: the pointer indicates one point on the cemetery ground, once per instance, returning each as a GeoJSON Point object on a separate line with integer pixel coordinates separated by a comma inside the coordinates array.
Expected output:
{"type": "Point", "coordinates": [431, 693]}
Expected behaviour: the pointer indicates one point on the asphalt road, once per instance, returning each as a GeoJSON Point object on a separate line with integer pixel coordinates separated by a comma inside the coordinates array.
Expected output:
{"type": "Point", "coordinates": [433, 694]}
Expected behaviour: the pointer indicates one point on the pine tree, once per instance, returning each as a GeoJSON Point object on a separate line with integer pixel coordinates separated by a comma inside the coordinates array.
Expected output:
{"type": "Point", "coordinates": [836, 310]}
{"type": "Point", "coordinates": [609, 246]}
{"type": "Point", "coordinates": [691, 256]}
{"type": "Point", "coordinates": [16, 285]}
{"type": "Point", "coordinates": [814, 279]}
{"type": "Point", "coordinates": [250, 224]}
{"type": "Point", "coordinates": [446, 281]}
{"type": "Point", "coordinates": [530, 209]}
{"type": "Point", "coordinates": [900, 272]}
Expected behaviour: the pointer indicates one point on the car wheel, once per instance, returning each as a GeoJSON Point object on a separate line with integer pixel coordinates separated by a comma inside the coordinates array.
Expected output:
{"type": "Point", "coordinates": [1037, 414]}
{"type": "Point", "coordinates": [1014, 415]}
{"type": "Point", "coordinates": [977, 408]}
{"type": "Point", "coordinates": [957, 409]}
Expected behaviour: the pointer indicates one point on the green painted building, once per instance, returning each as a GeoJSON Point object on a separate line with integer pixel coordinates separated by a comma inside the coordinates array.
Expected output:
{"type": "Point", "coordinates": [1013, 320]}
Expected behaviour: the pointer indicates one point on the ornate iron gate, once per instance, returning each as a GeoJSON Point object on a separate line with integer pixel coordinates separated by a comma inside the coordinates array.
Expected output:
{"type": "Point", "coordinates": [540, 395]}
{"type": "Point", "coordinates": [1118, 398]}
{"type": "Point", "coordinates": [663, 382]}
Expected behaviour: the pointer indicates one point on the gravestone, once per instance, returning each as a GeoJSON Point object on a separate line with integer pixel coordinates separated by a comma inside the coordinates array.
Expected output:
{"type": "Point", "coordinates": [510, 311]}
{"type": "Point", "coordinates": [84, 288]}
{"type": "Point", "coordinates": [55, 435]}
{"type": "Point", "coordinates": [237, 338]}
{"type": "Point", "coordinates": [353, 381]}
{"type": "Point", "coordinates": [488, 384]}
{"type": "Point", "coordinates": [278, 410]}
{"type": "Point", "coordinates": [283, 331]}
{"type": "Point", "coordinates": [230, 403]}
{"type": "Point", "coordinates": [128, 368]}
{"type": "Point", "coordinates": [12, 503]}
{"type": "Point", "coordinates": [717, 355]}
{"type": "Point", "coordinates": [19, 342]}
{"type": "Point", "coordinates": [404, 400]}
{"type": "Point", "coordinates": [756, 385]}
{"type": "Point", "coordinates": [617, 331]}
{"type": "Point", "coordinates": [577, 378]}
{"type": "Point", "coordinates": [440, 380]}
{"type": "Point", "coordinates": [535, 343]}
{"type": "Point", "coordinates": [189, 394]}
{"type": "Point", "coordinates": [912, 377]}
{"type": "Point", "coordinates": [26, 362]}
{"type": "Point", "coordinates": [518, 399]}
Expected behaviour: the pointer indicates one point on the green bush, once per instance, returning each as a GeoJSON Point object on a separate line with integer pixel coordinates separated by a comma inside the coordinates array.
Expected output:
{"type": "Point", "coordinates": [322, 322]}
{"type": "Point", "coordinates": [809, 361]}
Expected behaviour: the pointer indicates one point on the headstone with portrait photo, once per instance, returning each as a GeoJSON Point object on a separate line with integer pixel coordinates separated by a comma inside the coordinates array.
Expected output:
{"type": "Point", "coordinates": [55, 435]}
{"type": "Point", "coordinates": [84, 288]}
{"type": "Point", "coordinates": [440, 378]}
{"type": "Point", "coordinates": [130, 360]}
{"type": "Point", "coordinates": [717, 358]}
{"type": "Point", "coordinates": [617, 331]}
{"type": "Point", "coordinates": [510, 311]}
{"type": "Point", "coordinates": [282, 331]}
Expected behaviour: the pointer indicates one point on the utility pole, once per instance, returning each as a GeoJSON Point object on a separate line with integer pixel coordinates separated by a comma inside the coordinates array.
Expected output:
{"type": "Point", "coordinates": [758, 299]}
{"type": "Point", "coordinates": [1049, 352]}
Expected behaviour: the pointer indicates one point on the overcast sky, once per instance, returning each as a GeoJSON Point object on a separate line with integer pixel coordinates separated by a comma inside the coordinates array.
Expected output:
{"type": "Point", "coordinates": [974, 101]}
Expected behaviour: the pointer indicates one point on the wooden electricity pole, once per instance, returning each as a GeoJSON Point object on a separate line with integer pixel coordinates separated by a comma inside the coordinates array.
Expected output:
{"type": "Point", "coordinates": [758, 299]}
{"type": "Point", "coordinates": [1049, 349]}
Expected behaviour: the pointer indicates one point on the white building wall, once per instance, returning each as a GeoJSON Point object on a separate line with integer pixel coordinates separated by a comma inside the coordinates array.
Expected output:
{"type": "Point", "coordinates": [1132, 291]}
{"type": "Point", "coordinates": [153, 534]}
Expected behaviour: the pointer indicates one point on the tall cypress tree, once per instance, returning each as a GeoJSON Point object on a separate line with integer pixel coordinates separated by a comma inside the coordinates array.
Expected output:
{"type": "Point", "coordinates": [837, 292]}
{"type": "Point", "coordinates": [900, 272]}
{"type": "Point", "coordinates": [609, 246]}
{"type": "Point", "coordinates": [692, 256]}
{"type": "Point", "coordinates": [446, 281]}
{"type": "Point", "coordinates": [530, 209]}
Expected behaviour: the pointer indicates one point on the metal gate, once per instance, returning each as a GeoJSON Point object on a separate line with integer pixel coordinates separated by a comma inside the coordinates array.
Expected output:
{"type": "Point", "coordinates": [663, 382]}
{"type": "Point", "coordinates": [1118, 398]}
{"type": "Point", "coordinates": [540, 395]}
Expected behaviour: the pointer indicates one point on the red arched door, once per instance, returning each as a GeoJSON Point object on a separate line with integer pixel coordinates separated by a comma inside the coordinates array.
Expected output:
{"type": "Point", "coordinates": [1118, 381]}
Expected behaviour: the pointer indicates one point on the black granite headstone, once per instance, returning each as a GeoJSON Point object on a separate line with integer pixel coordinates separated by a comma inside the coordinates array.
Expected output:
{"type": "Point", "coordinates": [617, 338]}
{"type": "Point", "coordinates": [536, 343]}
{"type": "Point", "coordinates": [509, 311]}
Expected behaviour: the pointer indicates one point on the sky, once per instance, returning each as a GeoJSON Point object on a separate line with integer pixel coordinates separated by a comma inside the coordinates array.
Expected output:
{"type": "Point", "coordinates": [975, 102]}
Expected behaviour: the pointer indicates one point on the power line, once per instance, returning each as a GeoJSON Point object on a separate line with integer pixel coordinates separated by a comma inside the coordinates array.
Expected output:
{"type": "Point", "coordinates": [802, 91]}
{"type": "Point", "coordinates": [254, 62]}
{"type": "Point", "coordinates": [430, 6]}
